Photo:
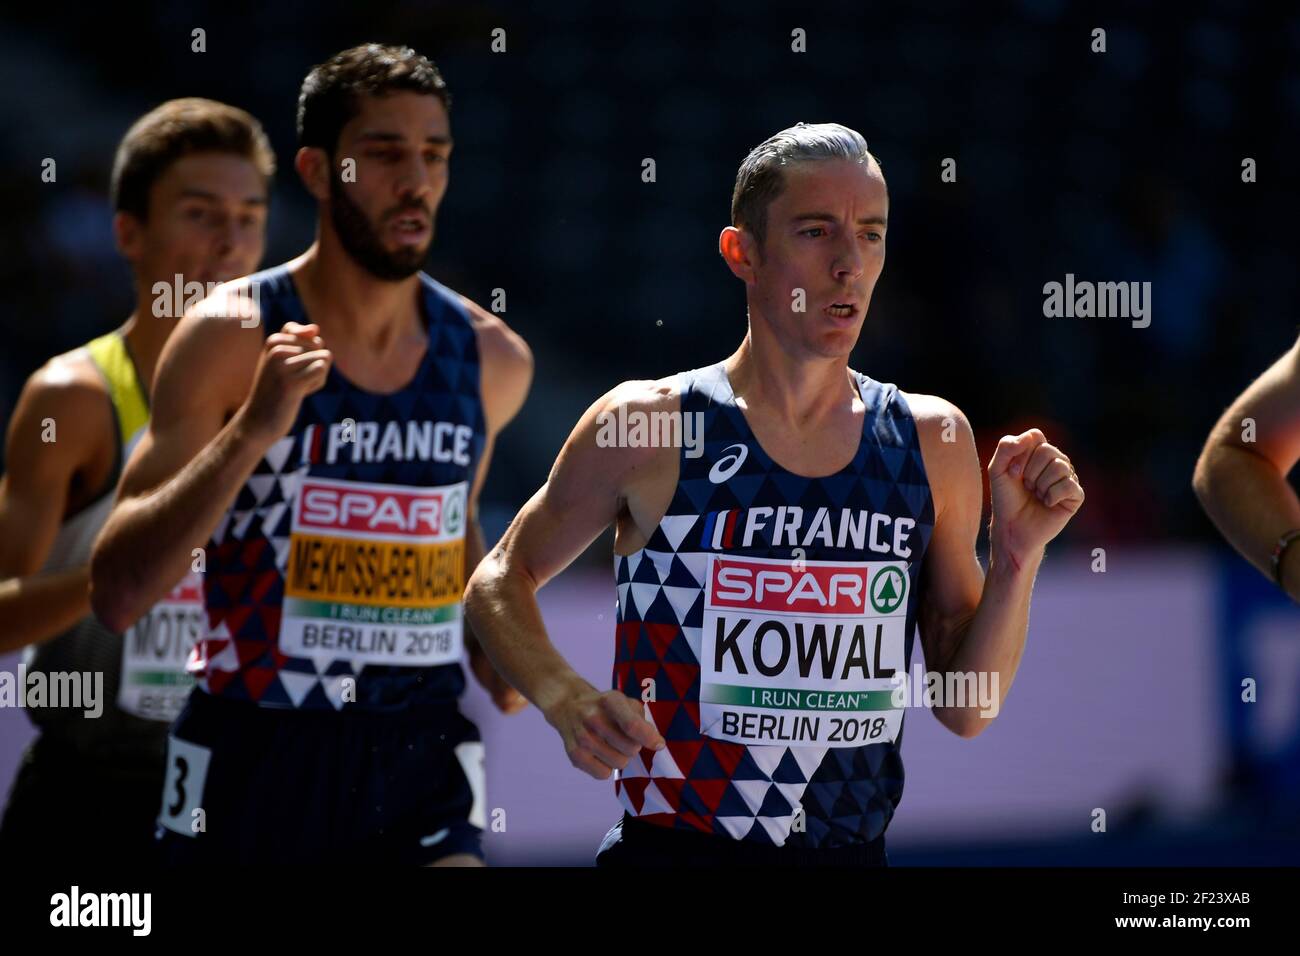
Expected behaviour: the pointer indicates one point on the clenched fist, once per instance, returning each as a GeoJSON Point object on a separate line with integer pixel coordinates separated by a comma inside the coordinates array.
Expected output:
{"type": "Point", "coordinates": [1035, 493]}
{"type": "Point", "coordinates": [294, 364]}
{"type": "Point", "coordinates": [602, 731]}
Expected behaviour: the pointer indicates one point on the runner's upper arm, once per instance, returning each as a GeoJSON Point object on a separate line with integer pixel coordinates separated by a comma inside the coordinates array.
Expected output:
{"type": "Point", "coordinates": [505, 374]}
{"type": "Point", "coordinates": [506, 365]}
{"type": "Point", "coordinates": [583, 495]}
{"type": "Point", "coordinates": [203, 376]}
{"type": "Point", "coordinates": [1265, 418]}
{"type": "Point", "coordinates": [75, 414]}
{"type": "Point", "coordinates": [953, 580]}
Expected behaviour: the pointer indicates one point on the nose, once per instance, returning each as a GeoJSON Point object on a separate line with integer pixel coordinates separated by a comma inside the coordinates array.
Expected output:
{"type": "Point", "coordinates": [849, 262]}
{"type": "Point", "coordinates": [236, 246]}
{"type": "Point", "coordinates": [226, 235]}
{"type": "Point", "coordinates": [416, 181]}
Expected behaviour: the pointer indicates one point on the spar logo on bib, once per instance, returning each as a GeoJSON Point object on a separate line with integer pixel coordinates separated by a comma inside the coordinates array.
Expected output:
{"type": "Point", "coordinates": [375, 573]}
{"type": "Point", "coordinates": [383, 511]}
{"type": "Point", "coordinates": [802, 655]}
{"type": "Point", "coordinates": [888, 589]}
{"type": "Point", "coordinates": [455, 513]}
{"type": "Point", "coordinates": [817, 588]}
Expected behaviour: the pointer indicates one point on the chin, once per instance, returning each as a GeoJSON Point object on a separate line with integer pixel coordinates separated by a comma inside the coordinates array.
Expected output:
{"type": "Point", "coordinates": [836, 346]}
{"type": "Point", "coordinates": [406, 255]}
{"type": "Point", "coordinates": [409, 265]}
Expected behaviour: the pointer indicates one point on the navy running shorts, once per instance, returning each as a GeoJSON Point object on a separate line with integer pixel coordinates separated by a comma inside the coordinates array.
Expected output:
{"type": "Point", "coordinates": [250, 784]}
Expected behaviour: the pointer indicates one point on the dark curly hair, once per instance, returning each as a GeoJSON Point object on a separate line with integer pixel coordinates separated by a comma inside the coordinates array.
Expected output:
{"type": "Point", "coordinates": [330, 91]}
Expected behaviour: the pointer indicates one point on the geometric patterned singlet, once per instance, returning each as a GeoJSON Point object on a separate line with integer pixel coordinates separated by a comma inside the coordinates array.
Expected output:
{"type": "Point", "coordinates": [337, 574]}
{"type": "Point", "coordinates": [762, 624]}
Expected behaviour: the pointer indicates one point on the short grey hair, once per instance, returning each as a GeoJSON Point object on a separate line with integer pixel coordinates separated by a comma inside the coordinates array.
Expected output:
{"type": "Point", "coordinates": [759, 180]}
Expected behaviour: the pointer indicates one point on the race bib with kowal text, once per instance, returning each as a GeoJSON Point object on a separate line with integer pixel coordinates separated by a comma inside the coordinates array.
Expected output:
{"type": "Point", "coordinates": [802, 654]}
{"type": "Point", "coordinates": [375, 573]}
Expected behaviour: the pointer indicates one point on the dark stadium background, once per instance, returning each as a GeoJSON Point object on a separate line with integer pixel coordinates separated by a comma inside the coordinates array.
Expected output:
{"type": "Point", "coordinates": [1114, 167]}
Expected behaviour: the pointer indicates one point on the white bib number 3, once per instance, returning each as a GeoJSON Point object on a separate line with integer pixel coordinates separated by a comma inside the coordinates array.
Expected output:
{"type": "Point", "coordinates": [187, 771]}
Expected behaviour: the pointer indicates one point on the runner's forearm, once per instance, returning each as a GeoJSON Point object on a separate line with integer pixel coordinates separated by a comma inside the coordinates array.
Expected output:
{"type": "Point", "coordinates": [1248, 499]}
{"type": "Point", "coordinates": [994, 641]}
{"type": "Point", "coordinates": [148, 541]}
{"type": "Point", "coordinates": [41, 606]}
{"type": "Point", "coordinates": [475, 548]}
{"type": "Point", "coordinates": [502, 608]}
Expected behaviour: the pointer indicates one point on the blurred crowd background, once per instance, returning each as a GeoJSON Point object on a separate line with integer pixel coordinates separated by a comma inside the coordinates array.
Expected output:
{"type": "Point", "coordinates": [1116, 166]}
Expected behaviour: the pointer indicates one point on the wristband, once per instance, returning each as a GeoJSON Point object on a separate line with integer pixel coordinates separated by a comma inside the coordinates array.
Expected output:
{"type": "Point", "coordinates": [1279, 552]}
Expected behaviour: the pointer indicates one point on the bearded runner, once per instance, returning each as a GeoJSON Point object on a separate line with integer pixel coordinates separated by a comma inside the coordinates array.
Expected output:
{"type": "Point", "coordinates": [324, 428]}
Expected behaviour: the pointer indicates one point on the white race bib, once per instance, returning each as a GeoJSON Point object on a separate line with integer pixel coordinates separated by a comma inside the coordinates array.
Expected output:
{"type": "Point", "coordinates": [182, 798]}
{"type": "Point", "coordinates": [154, 683]}
{"type": "Point", "coordinates": [375, 573]}
{"type": "Point", "coordinates": [802, 654]}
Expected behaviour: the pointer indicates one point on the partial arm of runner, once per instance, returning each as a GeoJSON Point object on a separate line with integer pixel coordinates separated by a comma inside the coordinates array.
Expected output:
{"type": "Point", "coordinates": [584, 494]}
{"type": "Point", "coordinates": [1241, 476]}
{"type": "Point", "coordinates": [191, 463]}
{"type": "Point", "coordinates": [33, 501]}
{"type": "Point", "coordinates": [40, 606]}
{"type": "Point", "coordinates": [970, 623]}
{"type": "Point", "coordinates": [507, 370]}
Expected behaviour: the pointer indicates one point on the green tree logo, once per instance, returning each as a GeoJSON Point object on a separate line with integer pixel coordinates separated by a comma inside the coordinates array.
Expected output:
{"type": "Point", "coordinates": [454, 512]}
{"type": "Point", "coordinates": [888, 588]}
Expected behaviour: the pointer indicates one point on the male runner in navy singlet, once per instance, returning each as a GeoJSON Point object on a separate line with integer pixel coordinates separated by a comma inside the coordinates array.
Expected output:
{"type": "Point", "coordinates": [321, 431]}
{"type": "Point", "coordinates": [769, 588]}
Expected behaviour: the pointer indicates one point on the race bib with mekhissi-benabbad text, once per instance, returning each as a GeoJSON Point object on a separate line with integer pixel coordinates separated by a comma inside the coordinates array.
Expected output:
{"type": "Point", "coordinates": [375, 573]}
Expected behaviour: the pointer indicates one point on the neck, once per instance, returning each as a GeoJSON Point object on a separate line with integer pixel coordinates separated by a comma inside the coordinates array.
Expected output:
{"type": "Point", "coordinates": [145, 335]}
{"type": "Point", "coordinates": [795, 388]}
{"type": "Point", "coordinates": [349, 303]}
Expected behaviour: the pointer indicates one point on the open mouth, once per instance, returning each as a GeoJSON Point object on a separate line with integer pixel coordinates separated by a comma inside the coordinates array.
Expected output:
{"type": "Point", "coordinates": [410, 229]}
{"type": "Point", "coordinates": [410, 224]}
{"type": "Point", "coordinates": [842, 310]}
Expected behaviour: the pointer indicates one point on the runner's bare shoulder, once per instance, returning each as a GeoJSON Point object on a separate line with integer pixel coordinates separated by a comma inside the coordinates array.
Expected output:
{"type": "Point", "coordinates": [64, 410]}
{"type": "Point", "coordinates": [637, 426]}
{"type": "Point", "coordinates": [497, 341]}
{"type": "Point", "coordinates": [215, 347]}
{"type": "Point", "coordinates": [506, 360]}
{"type": "Point", "coordinates": [947, 448]}
{"type": "Point", "coordinates": [938, 421]}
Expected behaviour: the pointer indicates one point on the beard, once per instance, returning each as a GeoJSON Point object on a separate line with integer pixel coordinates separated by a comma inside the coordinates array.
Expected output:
{"type": "Point", "coordinates": [361, 240]}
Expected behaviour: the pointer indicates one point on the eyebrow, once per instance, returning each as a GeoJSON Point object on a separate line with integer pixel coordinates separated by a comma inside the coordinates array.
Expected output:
{"type": "Point", "coordinates": [384, 137]}
{"type": "Point", "coordinates": [195, 193]}
{"type": "Point", "coordinates": [831, 217]}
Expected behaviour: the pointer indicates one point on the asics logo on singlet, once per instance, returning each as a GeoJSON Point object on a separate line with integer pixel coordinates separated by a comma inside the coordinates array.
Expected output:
{"type": "Point", "coordinates": [728, 465]}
